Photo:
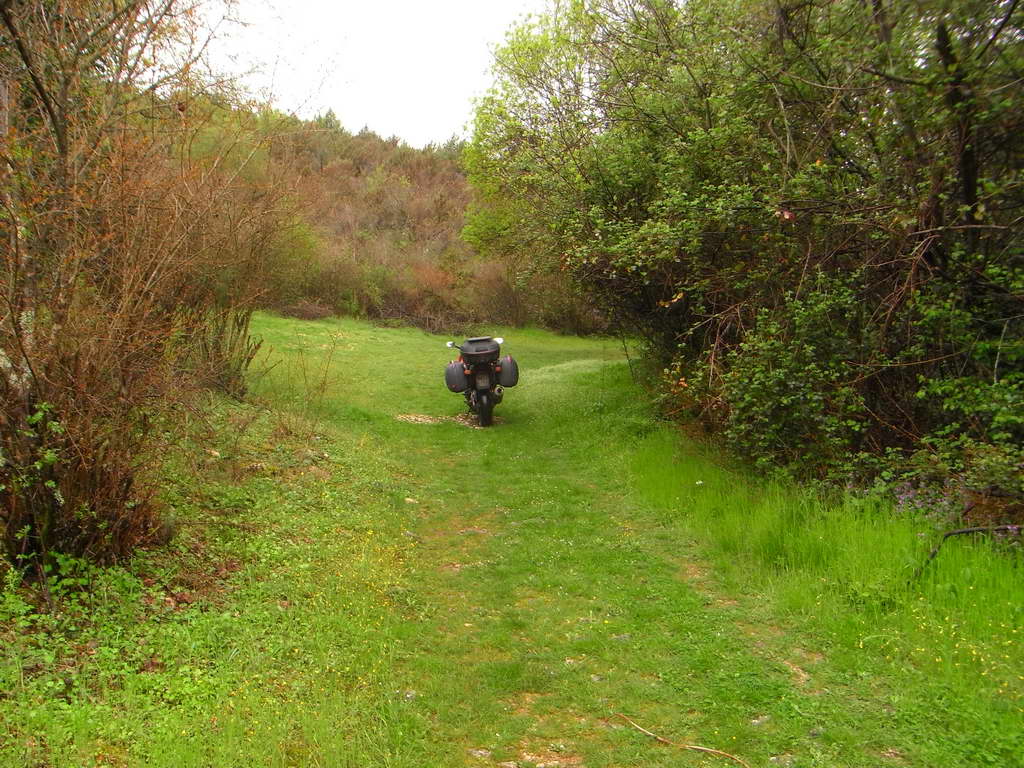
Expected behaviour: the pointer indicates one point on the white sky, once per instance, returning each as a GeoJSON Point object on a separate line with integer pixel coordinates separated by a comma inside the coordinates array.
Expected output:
{"type": "Point", "coordinates": [403, 68]}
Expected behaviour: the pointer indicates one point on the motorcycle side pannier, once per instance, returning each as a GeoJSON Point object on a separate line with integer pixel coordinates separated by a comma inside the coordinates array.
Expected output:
{"type": "Point", "coordinates": [455, 377]}
{"type": "Point", "coordinates": [509, 374]}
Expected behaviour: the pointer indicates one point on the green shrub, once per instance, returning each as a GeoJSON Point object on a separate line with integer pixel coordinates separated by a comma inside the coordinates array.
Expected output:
{"type": "Point", "coordinates": [812, 212]}
{"type": "Point", "coordinates": [784, 386]}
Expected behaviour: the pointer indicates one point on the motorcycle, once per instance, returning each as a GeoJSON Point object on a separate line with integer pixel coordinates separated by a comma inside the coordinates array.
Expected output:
{"type": "Point", "coordinates": [481, 375]}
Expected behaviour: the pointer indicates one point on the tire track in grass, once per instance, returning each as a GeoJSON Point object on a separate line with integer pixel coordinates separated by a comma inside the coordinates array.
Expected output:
{"type": "Point", "coordinates": [558, 616]}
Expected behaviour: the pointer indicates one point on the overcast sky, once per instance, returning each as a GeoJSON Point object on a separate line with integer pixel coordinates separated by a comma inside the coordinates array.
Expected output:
{"type": "Point", "coordinates": [403, 68]}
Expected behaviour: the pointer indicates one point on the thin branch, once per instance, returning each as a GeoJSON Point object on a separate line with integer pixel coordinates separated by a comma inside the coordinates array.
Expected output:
{"type": "Point", "coordinates": [999, 29]}
{"type": "Point", "coordinates": [958, 226]}
{"type": "Point", "coordinates": [692, 747]}
{"type": "Point", "coordinates": [895, 78]}
{"type": "Point", "coordinates": [1014, 529]}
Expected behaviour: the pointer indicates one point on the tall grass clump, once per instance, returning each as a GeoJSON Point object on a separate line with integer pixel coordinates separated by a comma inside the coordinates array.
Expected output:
{"type": "Point", "coordinates": [852, 568]}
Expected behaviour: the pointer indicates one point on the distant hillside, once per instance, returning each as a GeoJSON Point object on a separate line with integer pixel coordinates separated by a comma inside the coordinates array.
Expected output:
{"type": "Point", "coordinates": [379, 236]}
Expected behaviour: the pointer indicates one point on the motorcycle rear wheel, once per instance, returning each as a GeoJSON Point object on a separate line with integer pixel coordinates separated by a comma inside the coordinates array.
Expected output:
{"type": "Point", "coordinates": [485, 408]}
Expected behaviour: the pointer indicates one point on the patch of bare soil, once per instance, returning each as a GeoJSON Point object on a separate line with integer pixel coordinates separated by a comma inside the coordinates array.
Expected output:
{"type": "Point", "coordinates": [465, 419]}
{"type": "Point", "coordinates": [538, 751]}
{"type": "Point", "coordinates": [693, 572]}
{"type": "Point", "coordinates": [421, 418]}
{"type": "Point", "coordinates": [800, 677]}
{"type": "Point", "coordinates": [769, 644]}
{"type": "Point", "coordinates": [469, 420]}
{"type": "Point", "coordinates": [760, 630]}
{"type": "Point", "coordinates": [467, 530]}
{"type": "Point", "coordinates": [522, 704]}
{"type": "Point", "coordinates": [542, 755]}
{"type": "Point", "coordinates": [319, 472]}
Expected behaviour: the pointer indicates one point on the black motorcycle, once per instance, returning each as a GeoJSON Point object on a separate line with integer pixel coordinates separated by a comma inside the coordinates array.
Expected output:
{"type": "Point", "coordinates": [481, 375]}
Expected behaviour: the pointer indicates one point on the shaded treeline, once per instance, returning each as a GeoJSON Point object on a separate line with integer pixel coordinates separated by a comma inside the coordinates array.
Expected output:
{"type": "Point", "coordinates": [380, 236]}
{"type": "Point", "coordinates": [812, 210]}
{"type": "Point", "coordinates": [137, 220]}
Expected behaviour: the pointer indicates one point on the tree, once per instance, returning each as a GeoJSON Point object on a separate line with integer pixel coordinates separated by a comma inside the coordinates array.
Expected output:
{"type": "Point", "coordinates": [763, 187]}
{"type": "Point", "coordinates": [124, 250]}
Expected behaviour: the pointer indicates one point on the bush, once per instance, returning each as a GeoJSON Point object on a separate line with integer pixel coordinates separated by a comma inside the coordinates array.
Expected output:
{"type": "Point", "coordinates": [825, 250]}
{"type": "Point", "coordinates": [784, 386]}
{"type": "Point", "coordinates": [220, 350]}
{"type": "Point", "coordinates": [134, 239]}
{"type": "Point", "coordinates": [307, 309]}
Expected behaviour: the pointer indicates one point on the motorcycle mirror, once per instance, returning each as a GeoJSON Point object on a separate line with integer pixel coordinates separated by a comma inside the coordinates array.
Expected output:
{"type": "Point", "coordinates": [499, 339]}
{"type": "Point", "coordinates": [450, 344]}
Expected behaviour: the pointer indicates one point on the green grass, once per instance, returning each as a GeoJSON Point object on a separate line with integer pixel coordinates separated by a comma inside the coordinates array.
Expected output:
{"type": "Point", "coordinates": [348, 588]}
{"type": "Point", "coordinates": [943, 649]}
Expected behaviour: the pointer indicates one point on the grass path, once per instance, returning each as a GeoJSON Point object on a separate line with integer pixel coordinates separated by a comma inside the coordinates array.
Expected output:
{"type": "Point", "coordinates": [556, 608]}
{"type": "Point", "coordinates": [362, 580]}
{"type": "Point", "coordinates": [558, 589]}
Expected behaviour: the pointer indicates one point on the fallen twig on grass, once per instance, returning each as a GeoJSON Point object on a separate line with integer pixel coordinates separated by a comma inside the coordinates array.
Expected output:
{"type": "Point", "coordinates": [692, 747]}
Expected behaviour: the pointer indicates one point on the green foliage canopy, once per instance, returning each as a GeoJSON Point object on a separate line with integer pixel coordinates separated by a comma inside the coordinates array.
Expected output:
{"type": "Point", "coordinates": [773, 191]}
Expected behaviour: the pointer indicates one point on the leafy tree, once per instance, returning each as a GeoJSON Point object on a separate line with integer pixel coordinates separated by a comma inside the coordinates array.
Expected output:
{"type": "Point", "coordinates": [714, 171]}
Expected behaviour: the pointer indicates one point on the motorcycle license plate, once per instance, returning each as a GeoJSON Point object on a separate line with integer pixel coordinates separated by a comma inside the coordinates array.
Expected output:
{"type": "Point", "coordinates": [483, 381]}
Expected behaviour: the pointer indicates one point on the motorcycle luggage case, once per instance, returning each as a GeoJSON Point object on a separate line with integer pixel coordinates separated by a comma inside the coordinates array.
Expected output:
{"type": "Point", "coordinates": [455, 377]}
{"type": "Point", "coordinates": [509, 374]}
{"type": "Point", "coordinates": [479, 349]}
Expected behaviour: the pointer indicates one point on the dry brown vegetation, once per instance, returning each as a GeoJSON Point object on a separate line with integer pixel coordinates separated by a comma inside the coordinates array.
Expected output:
{"type": "Point", "coordinates": [381, 236]}
{"type": "Point", "coordinates": [134, 233]}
